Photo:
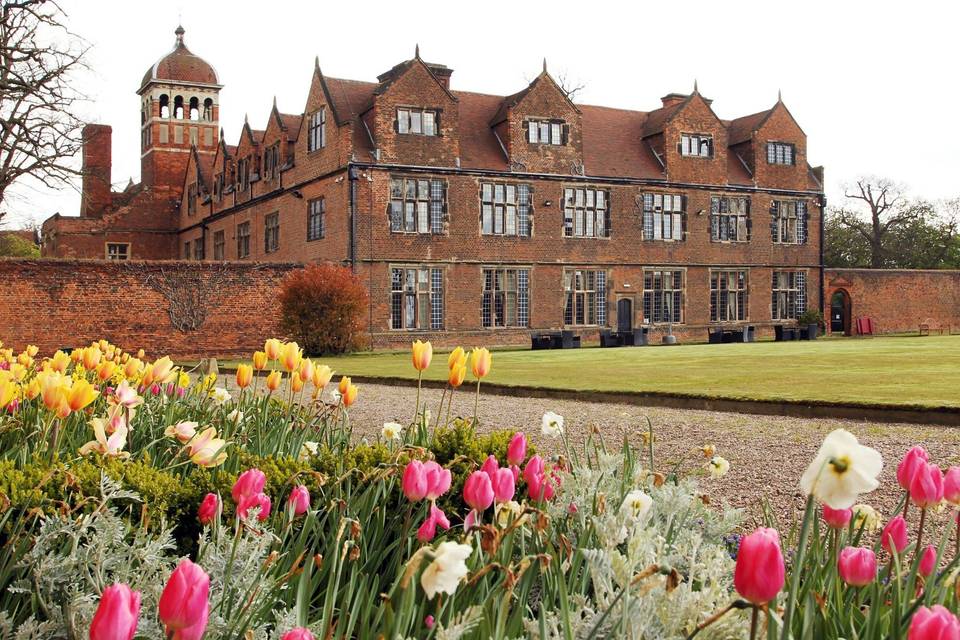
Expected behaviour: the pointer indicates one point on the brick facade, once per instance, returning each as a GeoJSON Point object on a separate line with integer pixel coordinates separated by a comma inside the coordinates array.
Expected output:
{"type": "Point", "coordinates": [589, 180]}
{"type": "Point", "coordinates": [69, 303]}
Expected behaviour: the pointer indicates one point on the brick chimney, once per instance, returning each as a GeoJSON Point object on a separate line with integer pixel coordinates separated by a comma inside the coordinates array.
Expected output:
{"type": "Point", "coordinates": [96, 170]}
{"type": "Point", "coordinates": [673, 98]}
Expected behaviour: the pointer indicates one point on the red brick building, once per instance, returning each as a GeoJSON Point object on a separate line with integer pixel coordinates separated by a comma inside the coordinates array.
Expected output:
{"type": "Point", "coordinates": [475, 217]}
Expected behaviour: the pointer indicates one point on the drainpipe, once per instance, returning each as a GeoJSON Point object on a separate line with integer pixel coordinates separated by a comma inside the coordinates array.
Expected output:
{"type": "Point", "coordinates": [823, 212]}
{"type": "Point", "coordinates": [352, 174]}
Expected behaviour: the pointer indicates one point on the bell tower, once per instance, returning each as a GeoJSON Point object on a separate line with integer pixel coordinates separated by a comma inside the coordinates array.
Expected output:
{"type": "Point", "coordinates": [179, 109]}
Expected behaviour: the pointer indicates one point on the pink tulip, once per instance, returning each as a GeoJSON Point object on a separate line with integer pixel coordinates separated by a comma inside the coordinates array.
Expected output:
{"type": "Point", "coordinates": [299, 633]}
{"type": "Point", "coordinates": [928, 561]}
{"type": "Point", "coordinates": [837, 518]}
{"type": "Point", "coordinates": [208, 508]}
{"type": "Point", "coordinates": [472, 520]}
{"type": "Point", "coordinates": [478, 491]}
{"type": "Point", "coordinates": [428, 529]}
{"type": "Point", "coordinates": [759, 572]}
{"type": "Point", "coordinates": [438, 480]}
{"type": "Point", "coordinates": [490, 465]}
{"type": "Point", "coordinates": [539, 485]}
{"type": "Point", "coordinates": [503, 485]}
{"type": "Point", "coordinates": [935, 623]}
{"type": "Point", "coordinates": [428, 622]}
{"type": "Point", "coordinates": [926, 487]}
{"type": "Point", "coordinates": [414, 481]}
{"type": "Point", "coordinates": [184, 606]}
{"type": "Point", "coordinates": [517, 449]}
{"type": "Point", "coordinates": [249, 483]}
{"type": "Point", "coordinates": [117, 614]}
{"type": "Point", "coordinates": [951, 486]}
{"type": "Point", "coordinates": [857, 566]}
{"type": "Point", "coordinates": [894, 535]}
{"type": "Point", "coordinates": [909, 464]}
{"type": "Point", "coordinates": [261, 500]}
{"type": "Point", "coordinates": [299, 499]}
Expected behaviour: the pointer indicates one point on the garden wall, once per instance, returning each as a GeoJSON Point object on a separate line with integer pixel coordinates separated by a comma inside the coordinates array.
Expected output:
{"type": "Point", "coordinates": [182, 309]}
{"type": "Point", "coordinates": [897, 300]}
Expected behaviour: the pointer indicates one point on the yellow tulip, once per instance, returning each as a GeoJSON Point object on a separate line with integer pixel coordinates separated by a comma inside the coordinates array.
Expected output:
{"type": "Point", "coordinates": [183, 380]}
{"type": "Point", "coordinates": [422, 355]}
{"type": "Point", "coordinates": [350, 394]}
{"type": "Point", "coordinates": [321, 376]}
{"type": "Point", "coordinates": [244, 375]}
{"type": "Point", "coordinates": [306, 370]}
{"type": "Point", "coordinates": [457, 376]}
{"type": "Point", "coordinates": [296, 383]}
{"type": "Point", "coordinates": [7, 392]}
{"type": "Point", "coordinates": [18, 371]}
{"type": "Point", "coordinates": [273, 380]}
{"type": "Point", "coordinates": [162, 370]}
{"type": "Point", "coordinates": [102, 344]}
{"type": "Point", "coordinates": [133, 368]}
{"type": "Point", "coordinates": [207, 450]}
{"type": "Point", "coordinates": [32, 390]}
{"type": "Point", "coordinates": [81, 394]}
{"type": "Point", "coordinates": [272, 348]}
{"type": "Point", "coordinates": [457, 358]}
{"type": "Point", "coordinates": [32, 350]}
{"type": "Point", "coordinates": [480, 361]}
{"type": "Point", "coordinates": [53, 389]}
{"type": "Point", "coordinates": [24, 360]}
{"type": "Point", "coordinates": [105, 370]}
{"type": "Point", "coordinates": [60, 362]}
{"type": "Point", "coordinates": [141, 354]}
{"type": "Point", "coordinates": [91, 358]}
{"type": "Point", "coordinates": [290, 356]}
{"type": "Point", "coordinates": [344, 384]}
{"type": "Point", "coordinates": [259, 360]}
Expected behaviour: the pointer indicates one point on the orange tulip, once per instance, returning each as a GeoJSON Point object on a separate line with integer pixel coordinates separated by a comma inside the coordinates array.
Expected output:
{"type": "Point", "coordinates": [103, 344]}
{"type": "Point", "coordinates": [344, 383]}
{"type": "Point", "coordinates": [81, 394]}
{"type": "Point", "coordinates": [457, 358]}
{"type": "Point", "coordinates": [244, 375]}
{"type": "Point", "coordinates": [76, 355]}
{"type": "Point", "coordinates": [296, 383]}
{"type": "Point", "coordinates": [321, 376]}
{"type": "Point", "coordinates": [141, 354]}
{"type": "Point", "coordinates": [290, 356]}
{"type": "Point", "coordinates": [480, 361]}
{"type": "Point", "coordinates": [306, 369]}
{"type": "Point", "coordinates": [54, 389]}
{"type": "Point", "coordinates": [133, 368]}
{"type": "Point", "coordinates": [272, 348]}
{"type": "Point", "coordinates": [274, 380]}
{"type": "Point", "coordinates": [259, 360]}
{"type": "Point", "coordinates": [162, 370]}
{"type": "Point", "coordinates": [457, 376]}
{"type": "Point", "coordinates": [91, 358]}
{"type": "Point", "coordinates": [32, 390]}
{"type": "Point", "coordinates": [422, 355]}
{"type": "Point", "coordinates": [18, 371]}
{"type": "Point", "coordinates": [105, 370]}
{"type": "Point", "coordinates": [60, 362]}
{"type": "Point", "coordinates": [350, 394]}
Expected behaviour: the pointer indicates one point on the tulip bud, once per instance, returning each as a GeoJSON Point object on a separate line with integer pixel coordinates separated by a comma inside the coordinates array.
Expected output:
{"type": "Point", "coordinates": [422, 355]}
{"type": "Point", "coordinates": [117, 614]}
{"type": "Point", "coordinates": [894, 535]}
{"type": "Point", "coordinates": [290, 356]}
{"type": "Point", "coordinates": [478, 491]}
{"type": "Point", "coordinates": [908, 465]}
{"type": "Point", "coordinates": [926, 486]}
{"type": "Point", "coordinates": [299, 633]}
{"type": "Point", "coordinates": [951, 486]}
{"type": "Point", "coordinates": [272, 348]}
{"type": "Point", "coordinates": [299, 500]}
{"type": "Point", "coordinates": [350, 396]}
{"type": "Point", "coordinates": [928, 561]}
{"type": "Point", "coordinates": [208, 508]}
{"type": "Point", "coordinates": [837, 518]}
{"type": "Point", "coordinates": [306, 369]}
{"type": "Point", "coordinates": [414, 482]}
{"type": "Point", "coordinates": [244, 375]}
{"type": "Point", "coordinates": [296, 382]}
{"type": "Point", "coordinates": [249, 483]}
{"type": "Point", "coordinates": [759, 572]}
{"type": "Point", "coordinates": [274, 380]}
{"type": "Point", "coordinates": [480, 361]}
{"type": "Point", "coordinates": [503, 484]}
{"type": "Point", "coordinates": [517, 449]}
{"type": "Point", "coordinates": [321, 376]}
{"type": "Point", "coordinates": [935, 623]}
{"type": "Point", "coordinates": [184, 604]}
{"type": "Point", "coordinates": [857, 566]}
{"type": "Point", "coordinates": [438, 480]}
{"type": "Point", "coordinates": [457, 375]}
{"type": "Point", "coordinates": [259, 360]}
{"type": "Point", "coordinates": [457, 358]}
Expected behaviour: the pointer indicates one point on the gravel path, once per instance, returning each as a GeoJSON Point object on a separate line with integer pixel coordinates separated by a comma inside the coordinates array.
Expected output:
{"type": "Point", "coordinates": [767, 454]}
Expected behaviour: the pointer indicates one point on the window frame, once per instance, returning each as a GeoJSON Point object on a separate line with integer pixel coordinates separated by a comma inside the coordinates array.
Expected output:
{"type": "Point", "coordinates": [791, 298]}
{"type": "Point", "coordinates": [404, 121]}
{"type": "Point", "coordinates": [720, 296]}
{"type": "Point", "coordinates": [318, 231]}
{"type": "Point", "coordinates": [499, 296]}
{"type": "Point", "coordinates": [720, 210]}
{"type": "Point", "coordinates": [426, 297]}
{"type": "Point", "coordinates": [243, 239]}
{"type": "Point", "coordinates": [777, 219]}
{"type": "Point", "coordinates": [685, 146]}
{"type": "Point", "coordinates": [572, 223]}
{"type": "Point", "coordinates": [271, 232]}
{"type": "Point", "coordinates": [777, 150]}
{"type": "Point", "coordinates": [219, 245]}
{"type": "Point", "coordinates": [651, 292]}
{"type": "Point", "coordinates": [555, 128]}
{"type": "Point", "coordinates": [428, 214]}
{"type": "Point", "coordinates": [125, 255]}
{"type": "Point", "coordinates": [317, 130]}
{"type": "Point", "coordinates": [522, 205]}
{"type": "Point", "coordinates": [650, 212]}
{"type": "Point", "coordinates": [585, 302]}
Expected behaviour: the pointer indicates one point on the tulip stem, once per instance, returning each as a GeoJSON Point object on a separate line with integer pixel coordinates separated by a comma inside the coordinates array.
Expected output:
{"type": "Point", "coordinates": [797, 568]}
{"type": "Point", "coordinates": [449, 402]}
{"type": "Point", "coordinates": [906, 505]}
{"type": "Point", "coordinates": [476, 404]}
{"type": "Point", "coordinates": [956, 547]}
{"type": "Point", "coordinates": [416, 411]}
{"type": "Point", "coordinates": [753, 622]}
{"type": "Point", "coordinates": [923, 518]}
{"type": "Point", "coordinates": [440, 410]}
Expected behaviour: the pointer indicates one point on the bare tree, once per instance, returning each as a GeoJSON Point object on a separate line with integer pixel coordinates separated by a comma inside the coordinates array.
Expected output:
{"type": "Point", "coordinates": [881, 208]}
{"type": "Point", "coordinates": [39, 133]}
{"type": "Point", "coordinates": [570, 87]}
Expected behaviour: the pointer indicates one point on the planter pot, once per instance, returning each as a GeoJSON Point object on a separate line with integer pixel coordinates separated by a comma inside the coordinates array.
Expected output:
{"type": "Point", "coordinates": [812, 330]}
{"type": "Point", "coordinates": [669, 339]}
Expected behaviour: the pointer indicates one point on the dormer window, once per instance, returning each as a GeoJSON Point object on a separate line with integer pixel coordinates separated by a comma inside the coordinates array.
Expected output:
{"type": "Point", "coordinates": [420, 122]}
{"type": "Point", "coordinates": [546, 132]}
{"type": "Point", "coordinates": [780, 153]}
{"type": "Point", "coordinates": [697, 145]}
{"type": "Point", "coordinates": [317, 130]}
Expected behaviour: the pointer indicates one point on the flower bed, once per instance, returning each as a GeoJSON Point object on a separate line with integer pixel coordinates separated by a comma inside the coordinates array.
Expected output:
{"type": "Point", "coordinates": [142, 501]}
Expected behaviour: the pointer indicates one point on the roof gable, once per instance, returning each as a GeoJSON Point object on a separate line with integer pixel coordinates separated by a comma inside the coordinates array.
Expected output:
{"type": "Point", "coordinates": [658, 119]}
{"type": "Point", "coordinates": [512, 101]}
{"type": "Point", "coordinates": [386, 80]}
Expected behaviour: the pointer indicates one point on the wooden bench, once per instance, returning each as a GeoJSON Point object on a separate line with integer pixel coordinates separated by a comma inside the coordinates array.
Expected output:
{"type": "Point", "coordinates": [930, 324]}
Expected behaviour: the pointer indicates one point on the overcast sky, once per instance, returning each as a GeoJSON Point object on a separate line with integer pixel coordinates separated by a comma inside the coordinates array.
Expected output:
{"type": "Point", "coordinates": [873, 84]}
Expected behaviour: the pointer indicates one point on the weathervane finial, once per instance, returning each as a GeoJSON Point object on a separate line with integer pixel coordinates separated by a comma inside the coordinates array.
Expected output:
{"type": "Point", "coordinates": [544, 64]}
{"type": "Point", "coordinates": [416, 51]}
{"type": "Point", "coordinates": [695, 89]}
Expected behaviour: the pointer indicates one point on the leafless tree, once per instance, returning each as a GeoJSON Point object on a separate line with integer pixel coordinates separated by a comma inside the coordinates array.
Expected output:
{"type": "Point", "coordinates": [569, 87]}
{"type": "Point", "coordinates": [880, 207]}
{"type": "Point", "coordinates": [39, 131]}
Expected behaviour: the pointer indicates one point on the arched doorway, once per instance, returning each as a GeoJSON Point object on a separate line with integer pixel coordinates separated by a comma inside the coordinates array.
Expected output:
{"type": "Point", "coordinates": [624, 315]}
{"type": "Point", "coordinates": [840, 314]}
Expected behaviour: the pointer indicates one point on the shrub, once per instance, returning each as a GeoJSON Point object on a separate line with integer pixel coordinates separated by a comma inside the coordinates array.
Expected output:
{"type": "Point", "coordinates": [322, 308]}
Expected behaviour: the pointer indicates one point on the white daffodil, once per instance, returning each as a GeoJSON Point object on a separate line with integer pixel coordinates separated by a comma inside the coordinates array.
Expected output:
{"type": "Point", "coordinates": [507, 511]}
{"type": "Point", "coordinates": [842, 470]}
{"type": "Point", "coordinates": [552, 425]}
{"type": "Point", "coordinates": [220, 396]}
{"type": "Point", "coordinates": [335, 396]}
{"type": "Point", "coordinates": [235, 416]}
{"type": "Point", "coordinates": [391, 431]}
{"type": "Point", "coordinates": [449, 566]}
{"type": "Point", "coordinates": [636, 505]}
{"type": "Point", "coordinates": [866, 516]}
{"type": "Point", "coordinates": [309, 448]}
{"type": "Point", "coordinates": [719, 466]}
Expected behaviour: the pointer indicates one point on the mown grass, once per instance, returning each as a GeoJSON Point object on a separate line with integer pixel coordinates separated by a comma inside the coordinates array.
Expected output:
{"type": "Point", "coordinates": [893, 371]}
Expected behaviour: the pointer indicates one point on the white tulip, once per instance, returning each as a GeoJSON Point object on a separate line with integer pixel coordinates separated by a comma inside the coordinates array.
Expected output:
{"type": "Point", "coordinates": [842, 470]}
{"type": "Point", "coordinates": [447, 569]}
{"type": "Point", "coordinates": [552, 425]}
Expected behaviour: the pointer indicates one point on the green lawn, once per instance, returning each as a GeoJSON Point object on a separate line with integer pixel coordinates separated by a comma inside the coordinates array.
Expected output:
{"type": "Point", "coordinates": [897, 370]}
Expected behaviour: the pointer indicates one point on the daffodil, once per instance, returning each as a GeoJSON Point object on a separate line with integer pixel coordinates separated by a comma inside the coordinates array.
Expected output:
{"type": "Point", "coordinates": [448, 568]}
{"type": "Point", "coordinates": [551, 425]}
{"type": "Point", "coordinates": [219, 396]}
{"type": "Point", "coordinates": [866, 516]}
{"type": "Point", "coordinates": [391, 430]}
{"type": "Point", "coordinates": [636, 505]}
{"type": "Point", "coordinates": [719, 466]}
{"type": "Point", "coordinates": [842, 470]}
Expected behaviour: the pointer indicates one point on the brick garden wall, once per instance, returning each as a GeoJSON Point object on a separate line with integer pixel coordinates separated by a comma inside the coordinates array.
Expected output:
{"type": "Point", "coordinates": [183, 309]}
{"type": "Point", "coordinates": [898, 300]}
